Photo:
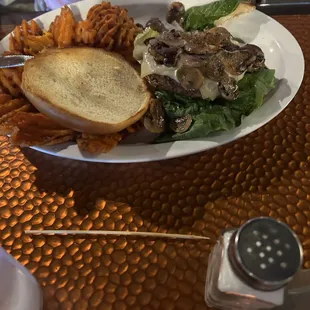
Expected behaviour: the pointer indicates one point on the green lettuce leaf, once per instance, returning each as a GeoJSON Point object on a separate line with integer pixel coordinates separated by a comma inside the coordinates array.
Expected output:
{"type": "Point", "coordinates": [211, 116]}
{"type": "Point", "coordinates": [178, 105]}
{"type": "Point", "coordinates": [201, 17]}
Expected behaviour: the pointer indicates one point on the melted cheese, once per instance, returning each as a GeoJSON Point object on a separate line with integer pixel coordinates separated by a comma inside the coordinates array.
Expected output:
{"type": "Point", "coordinates": [149, 66]}
{"type": "Point", "coordinates": [139, 51]}
{"type": "Point", "coordinates": [139, 47]}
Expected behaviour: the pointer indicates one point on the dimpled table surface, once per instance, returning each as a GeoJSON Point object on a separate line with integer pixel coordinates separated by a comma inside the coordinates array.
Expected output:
{"type": "Point", "coordinates": [266, 173]}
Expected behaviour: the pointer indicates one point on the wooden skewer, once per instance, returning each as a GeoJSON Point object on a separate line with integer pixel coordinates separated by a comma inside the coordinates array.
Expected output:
{"type": "Point", "coordinates": [114, 233]}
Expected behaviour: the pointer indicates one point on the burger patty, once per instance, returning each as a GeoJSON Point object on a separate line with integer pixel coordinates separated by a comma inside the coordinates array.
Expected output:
{"type": "Point", "coordinates": [166, 83]}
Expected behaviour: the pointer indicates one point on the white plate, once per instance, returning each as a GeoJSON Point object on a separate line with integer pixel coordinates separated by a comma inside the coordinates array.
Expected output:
{"type": "Point", "coordinates": [282, 52]}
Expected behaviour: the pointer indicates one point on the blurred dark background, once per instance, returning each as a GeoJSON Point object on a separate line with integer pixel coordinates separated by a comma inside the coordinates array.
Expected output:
{"type": "Point", "coordinates": [14, 13]}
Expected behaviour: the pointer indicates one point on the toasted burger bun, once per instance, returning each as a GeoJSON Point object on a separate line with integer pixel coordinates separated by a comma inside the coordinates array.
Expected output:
{"type": "Point", "coordinates": [86, 89]}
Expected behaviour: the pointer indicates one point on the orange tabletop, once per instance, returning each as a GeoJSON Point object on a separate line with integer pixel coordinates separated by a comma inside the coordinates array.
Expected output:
{"type": "Point", "coordinates": [264, 174]}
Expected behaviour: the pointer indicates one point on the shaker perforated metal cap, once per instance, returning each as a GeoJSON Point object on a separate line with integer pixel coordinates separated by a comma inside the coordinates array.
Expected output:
{"type": "Point", "coordinates": [265, 253]}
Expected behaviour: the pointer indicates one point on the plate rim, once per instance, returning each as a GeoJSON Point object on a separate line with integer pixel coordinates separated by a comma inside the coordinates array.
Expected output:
{"type": "Point", "coordinates": [73, 152]}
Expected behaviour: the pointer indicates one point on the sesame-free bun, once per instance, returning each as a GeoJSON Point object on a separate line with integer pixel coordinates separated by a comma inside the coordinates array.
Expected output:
{"type": "Point", "coordinates": [86, 89]}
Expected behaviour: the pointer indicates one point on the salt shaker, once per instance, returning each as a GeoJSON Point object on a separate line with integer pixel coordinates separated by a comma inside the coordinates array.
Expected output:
{"type": "Point", "coordinates": [250, 267]}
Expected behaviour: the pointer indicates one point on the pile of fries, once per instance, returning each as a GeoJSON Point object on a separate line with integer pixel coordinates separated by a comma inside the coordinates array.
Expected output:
{"type": "Point", "coordinates": [107, 27]}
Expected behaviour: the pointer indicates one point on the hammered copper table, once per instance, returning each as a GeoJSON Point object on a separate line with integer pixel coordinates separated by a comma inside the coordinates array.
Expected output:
{"type": "Point", "coordinates": [265, 173]}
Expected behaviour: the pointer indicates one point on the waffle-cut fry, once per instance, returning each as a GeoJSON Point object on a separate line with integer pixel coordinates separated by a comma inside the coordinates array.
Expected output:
{"type": "Point", "coordinates": [22, 120]}
{"type": "Point", "coordinates": [85, 33]}
{"type": "Point", "coordinates": [2, 89]}
{"type": "Point", "coordinates": [32, 28]}
{"type": "Point", "coordinates": [14, 74]}
{"type": "Point", "coordinates": [18, 40]}
{"type": "Point", "coordinates": [15, 43]}
{"type": "Point", "coordinates": [95, 10]}
{"type": "Point", "coordinates": [35, 44]}
{"type": "Point", "coordinates": [96, 144]}
{"type": "Point", "coordinates": [8, 109]}
{"type": "Point", "coordinates": [11, 105]}
{"type": "Point", "coordinates": [115, 30]}
{"type": "Point", "coordinates": [28, 137]}
{"type": "Point", "coordinates": [30, 129]}
{"type": "Point", "coordinates": [10, 81]}
{"type": "Point", "coordinates": [63, 28]}
{"type": "Point", "coordinates": [4, 98]}
{"type": "Point", "coordinates": [5, 127]}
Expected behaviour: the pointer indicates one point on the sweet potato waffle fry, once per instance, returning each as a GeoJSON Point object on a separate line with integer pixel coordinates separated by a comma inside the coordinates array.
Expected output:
{"type": "Point", "coordinates": [20, 33]}
{"type": "Point", "coordinates": [9, 107]}
{"type": "Point", "coordinates": [116, 31]}
{"type": "Point", "coordinates": [4, 98]}
{"type": "Point", "coordinates": [28, 38]}
{"type": "Point", "coordinates": [96, 144]}
{"type": "Point", "coordinates": [35, 44]}
{"type": "Point", "coordinates": [63, 28]}
{"type": "Point", "coordinates": [29, 129]}
{"type": "Point", "coordinates": [85, 33]}
{"type": "Point", "coordinates": [10, 81]}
